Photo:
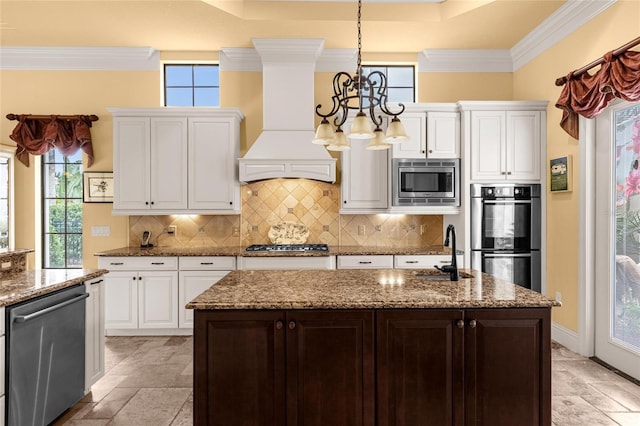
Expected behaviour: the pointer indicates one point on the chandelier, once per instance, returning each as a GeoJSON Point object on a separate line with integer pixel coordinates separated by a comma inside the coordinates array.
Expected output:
{"type": "Point", "coordinates": [363, 93]}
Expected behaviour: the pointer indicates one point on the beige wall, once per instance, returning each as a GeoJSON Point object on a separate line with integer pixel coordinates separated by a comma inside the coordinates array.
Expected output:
{"type": "Point", "coordinates": [614, 27]}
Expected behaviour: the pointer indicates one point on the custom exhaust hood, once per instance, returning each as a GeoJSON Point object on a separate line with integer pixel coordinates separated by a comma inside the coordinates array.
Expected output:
{"type": "Point", "coordinates": [284, 148]}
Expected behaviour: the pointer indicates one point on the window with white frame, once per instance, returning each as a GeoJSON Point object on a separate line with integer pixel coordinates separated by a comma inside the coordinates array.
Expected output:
{"type": "Point", "coordinates": [6, 200]}
{"type": "Point", "coordinates": [400, 81]}
{"type": "Point", "coordinates": [191, 85]}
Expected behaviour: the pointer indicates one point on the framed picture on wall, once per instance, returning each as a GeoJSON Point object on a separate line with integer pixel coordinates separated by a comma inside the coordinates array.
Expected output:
{"type": "Point", "coordinates": [560, 174]}
{"type": "Point", "coordinates": [97, 187]}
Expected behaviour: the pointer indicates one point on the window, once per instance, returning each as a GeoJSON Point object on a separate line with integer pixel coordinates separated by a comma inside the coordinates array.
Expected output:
{"type": "Point", "coordinates": [191, 85]}
{"type": "Point", "coordinates": [400, 81]}
{"type": "Point", "coordinates": [62, 210]}
{"type": "Point", "coordinates": [6, 207]}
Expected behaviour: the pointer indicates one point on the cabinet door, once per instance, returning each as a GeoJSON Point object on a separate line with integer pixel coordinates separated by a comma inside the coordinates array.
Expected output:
{"type": "Point", "coordinates": [94, 334]}
{"type": "Point", "coordinates": [131, 162]}
{"type": "Point", "coordinates": [330, 368]}
{"type": "Point", "coordinates": [121, 299]}
{"type": "Point", "coordinates": [168, 163]}
{"type": "Point", "coordinates": [212, 165]}
{"type": "Point", "coordinates": [158, 300]}
{"type": "Point", "coordinates": [508, 367]}
{"type": "Point", "coordinates": [488, 144]}
{"type": "Point", "coordinates": [239, 368]}
{"type": "Point", "coordinates": [523, 145]}
{"type": "Point", "coordinates": [420, 361]}
{"type": "Point", "coordinates": [192, 283]}
{"type": "Point", "coordinates": [364, 178]}
{"type": "Point", "coordinates": [414, 124]}
{"type": "Point", "coordinates": [443, 135]}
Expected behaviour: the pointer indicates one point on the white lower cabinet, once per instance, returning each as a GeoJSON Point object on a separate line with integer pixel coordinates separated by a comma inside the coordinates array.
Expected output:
{"type": "Point", "coordinates": [365, 262]}
{"type": "Point", "coordinates": [285, 262]}
{"type": "Point", "coordinates": [196, 275]}
{"type": "Point", "coordinates": [140, 293]}
{"type": "Point", "coordinates": [94, 333]}
{"type": "Point", "coordinates": [425, 261]}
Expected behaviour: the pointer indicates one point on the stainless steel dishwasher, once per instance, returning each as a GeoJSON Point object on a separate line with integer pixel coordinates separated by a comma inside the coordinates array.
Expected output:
{"type": "Point", "coordinates": [45, 356]}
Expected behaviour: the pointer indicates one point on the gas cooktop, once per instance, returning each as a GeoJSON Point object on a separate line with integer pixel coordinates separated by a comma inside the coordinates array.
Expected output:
{"type": "Point", "coordinates": [288, 247]}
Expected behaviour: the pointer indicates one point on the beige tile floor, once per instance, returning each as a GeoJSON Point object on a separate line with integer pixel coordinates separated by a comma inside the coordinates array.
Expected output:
{"type": "Point", "coordinates": [149, 382]}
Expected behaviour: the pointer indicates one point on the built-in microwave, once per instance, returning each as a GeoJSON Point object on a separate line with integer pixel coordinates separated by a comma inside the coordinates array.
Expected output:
{"type": "Point", "coordinates": [418, 182]}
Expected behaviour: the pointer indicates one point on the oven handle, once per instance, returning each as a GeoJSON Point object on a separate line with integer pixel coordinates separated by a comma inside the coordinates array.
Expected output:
{"type": "Point", "coordinates": [506, 201]}
{"type": "Point", "coordinates": [507, 255]}
{"type": "Point", "coordinates": [25, 318]}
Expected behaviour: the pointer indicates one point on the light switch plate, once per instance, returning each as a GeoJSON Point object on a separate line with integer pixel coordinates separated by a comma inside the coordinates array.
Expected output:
{"type": "Point", "coordinates": [100, 231]}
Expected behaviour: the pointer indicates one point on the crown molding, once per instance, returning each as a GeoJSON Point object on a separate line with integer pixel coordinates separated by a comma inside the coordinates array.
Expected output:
{"type": "Point", "coordinates": [568, 18]}
{"type": "Point", "coordinates": [335, 60]}
{"type": "Point", "coordinates": [240, 59]}
{"type": "Point", "coordinates": [463, 60]}
{"type": "Point", "coordinates": [80, 58]}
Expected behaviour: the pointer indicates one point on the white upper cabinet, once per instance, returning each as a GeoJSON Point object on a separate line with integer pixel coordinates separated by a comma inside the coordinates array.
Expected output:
{"type": "Point", "coordinates": [415, 125]}
{"type": "Point", "coordinates": [443, 134]}
{"type": "Point", "coordinates": [176, 160]}
{"type": "Point", "coordinates": [432, 134]}
{"type": "Point", "coordinates": [506, 144]}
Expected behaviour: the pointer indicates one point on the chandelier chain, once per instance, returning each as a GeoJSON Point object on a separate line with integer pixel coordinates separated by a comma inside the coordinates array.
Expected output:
{"type": "Point", "coordinates": [359, 69]}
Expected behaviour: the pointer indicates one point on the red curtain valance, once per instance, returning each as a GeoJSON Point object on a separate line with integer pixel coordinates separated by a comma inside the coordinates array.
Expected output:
{"type": "Point", "coordinates": [37, 135]}
{"type": "Point", "coordinates": [588, 95]}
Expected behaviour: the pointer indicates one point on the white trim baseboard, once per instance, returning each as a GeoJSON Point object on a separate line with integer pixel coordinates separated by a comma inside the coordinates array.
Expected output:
{"type": "Point", "coordinates": [564, 336]}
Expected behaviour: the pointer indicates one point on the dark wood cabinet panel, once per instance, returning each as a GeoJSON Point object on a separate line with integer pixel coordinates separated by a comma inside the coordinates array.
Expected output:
{"type": "Point", "coordinates": [330, 368]}
{"type": "Point", "coordinates": [239, 368]}
{"type": "Point", "coordinates": [276, 368]}
{"type": "Point", "coordinates": [508, 367]}
{"type": "Point", "coordinates": [420, 362]}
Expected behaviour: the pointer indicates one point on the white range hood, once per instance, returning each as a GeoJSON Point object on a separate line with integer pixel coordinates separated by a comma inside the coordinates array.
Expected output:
{"type": "Point", "coordinates": [284, 148]}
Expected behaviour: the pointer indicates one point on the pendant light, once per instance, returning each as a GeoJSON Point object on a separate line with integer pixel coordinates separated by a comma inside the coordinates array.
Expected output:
{"type": "Point", "coordinates": [368, 95]}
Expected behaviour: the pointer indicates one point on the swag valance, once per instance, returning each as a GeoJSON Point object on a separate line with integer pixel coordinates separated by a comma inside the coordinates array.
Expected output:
{"type": "Point", "coordinates": [588, 95]}
{"type": "Point", "coordinates": [38, 134]}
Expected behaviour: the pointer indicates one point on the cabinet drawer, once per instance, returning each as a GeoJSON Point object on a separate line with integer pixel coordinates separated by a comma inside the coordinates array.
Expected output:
{"type": "Point", "coordinates": [424, 261]}
{"type": "Point", "coordinates": [365, 262]}
{"type": "Point", "coordinates": [138, 263]}
{"type": "Point", "coordinates": [211, 263]}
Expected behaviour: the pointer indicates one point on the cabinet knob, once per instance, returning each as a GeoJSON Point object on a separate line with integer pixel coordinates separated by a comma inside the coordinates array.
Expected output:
{"type": "Point", "coordinates": [508, 173]}
{"type": "Point", "coordinates": [230, 203]}
{"type": "Point", "coordinates": [460, 324]}
{"type": "Point", "coordinates": [135, 278]}
{"type": "Point", "coordinates": [423, 151]}
{"type": "Point", "coordinates": [152, 203]}
{"type": "Point", "coordinates": [345, 201]}
{"type": "Point", "coordinates": [146, 203]}
{"type": "Point", "coordinates": [279, 325]}
{"type": "Point", "coordinates": [430, 151]}
{"type": "Point", "coordinates": [292, 325]}
{"type": "Point", "coordinates": [472, 323]}
{"type": "Point", "coordinates": [502, 173]}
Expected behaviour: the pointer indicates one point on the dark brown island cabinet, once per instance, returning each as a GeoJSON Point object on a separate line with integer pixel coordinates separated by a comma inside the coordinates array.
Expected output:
{"type": "Point", "coordinates": [384, 367]}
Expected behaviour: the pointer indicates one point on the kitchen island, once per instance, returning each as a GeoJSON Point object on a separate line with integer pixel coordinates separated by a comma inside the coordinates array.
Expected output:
{"type": "Point", "coordinates": [371, 347]}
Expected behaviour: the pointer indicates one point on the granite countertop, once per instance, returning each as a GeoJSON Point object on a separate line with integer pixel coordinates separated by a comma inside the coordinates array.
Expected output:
{"type": "Point", "coordinates": [21, 286]}
{"type": "Point", "coordinates": [363, 289]}
{"type": "Point", "coordinates": [240, 251]}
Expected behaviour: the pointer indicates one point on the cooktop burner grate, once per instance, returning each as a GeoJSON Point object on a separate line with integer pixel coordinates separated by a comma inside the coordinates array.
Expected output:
{"type": "Point", "coordinates": [288, 247]}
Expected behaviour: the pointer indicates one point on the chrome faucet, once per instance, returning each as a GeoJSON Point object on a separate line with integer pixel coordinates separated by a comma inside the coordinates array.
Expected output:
{"type": "Point", "coordinates": [452, 269]}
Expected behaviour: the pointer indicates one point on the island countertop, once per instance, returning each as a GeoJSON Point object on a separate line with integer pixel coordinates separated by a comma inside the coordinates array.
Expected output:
{"type": "Point", "coordinates": [364, 289]}
{"type": "Point", "coordinates": [21, 286]}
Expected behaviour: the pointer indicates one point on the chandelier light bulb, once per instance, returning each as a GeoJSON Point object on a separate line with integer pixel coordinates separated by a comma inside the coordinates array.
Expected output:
{"type": "Point", "coordinates": [340, 142]}
{"type": "Point", "coordinates": [396, 132]}
{"type": "Point", "coordinates": [324, 133]}
{"type": "Point", "coordinates": [378, 142]}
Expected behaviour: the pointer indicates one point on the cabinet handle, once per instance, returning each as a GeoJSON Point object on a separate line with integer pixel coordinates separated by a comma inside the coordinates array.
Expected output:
{"type": "Point", "coordinates": [279, 325]}
{"type": "Point", "coordinates": [460, 324]}
{"type": "Point", "coordinates": [446, 262]}
{"type": "Point", "coordinates": [411, 261]}
{"type": "Point", "coordinates": [157, 263]}
{"type": "Point", "coordinates": [116, 263]}
{"type": "Point", "coordinates": [292, 325]}
{"type": "Point", "coordinates": [362, 262]}
{"type": "Point", "coordinates": [508, 173]}
{"type": "Point", "coordinates": [96, 282]}
{"type": "Point", "coordinates": [206, 263]}
{"type": "Point", "coordinates": [472, 323]}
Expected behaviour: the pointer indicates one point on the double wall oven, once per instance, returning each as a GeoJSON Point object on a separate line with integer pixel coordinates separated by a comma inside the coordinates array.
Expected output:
{"type": "Point", "coordinates": [505, 232]}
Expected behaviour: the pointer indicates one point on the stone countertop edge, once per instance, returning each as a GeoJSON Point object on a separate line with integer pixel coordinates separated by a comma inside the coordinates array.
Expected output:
{"type": "Point", "coordinates": [240, 251]}
{"type": "Point", "coordinates": [22, 286]}
{"type": "Point", "coordinates": [364, 289]}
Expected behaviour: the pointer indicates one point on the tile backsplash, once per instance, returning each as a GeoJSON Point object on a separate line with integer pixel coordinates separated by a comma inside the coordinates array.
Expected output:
{"type": "Point", "coordinates": [266, 203]}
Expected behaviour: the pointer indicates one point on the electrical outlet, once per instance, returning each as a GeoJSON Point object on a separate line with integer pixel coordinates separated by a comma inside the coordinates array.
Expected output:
{"type": "Point", "coordinates": [378, 228]}
{"type": "Point", "coordinates": [558, 297]}
{"type": "Point", "coordinates": [361, 229]}
{"type": "Point", "coordinates": [423, 229]}
{"type": "Point", "coordinates": [172, 229]}
{"type": "Point", "coordinates": [235, 232]}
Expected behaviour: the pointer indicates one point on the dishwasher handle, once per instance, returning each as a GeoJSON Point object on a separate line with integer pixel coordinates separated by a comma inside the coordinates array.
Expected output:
{"type": "Point", "coordinates": [25, 318]}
